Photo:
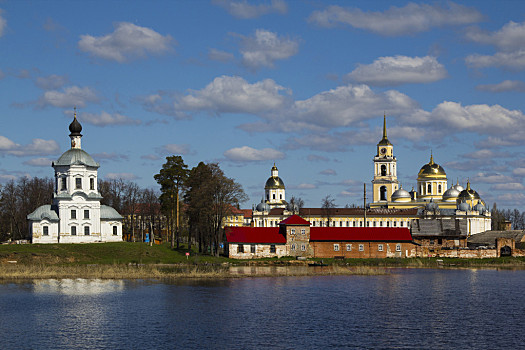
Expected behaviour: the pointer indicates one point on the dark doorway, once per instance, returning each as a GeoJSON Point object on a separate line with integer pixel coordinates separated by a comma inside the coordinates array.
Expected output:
{"type": "Point", "coordinates": [505, 251]}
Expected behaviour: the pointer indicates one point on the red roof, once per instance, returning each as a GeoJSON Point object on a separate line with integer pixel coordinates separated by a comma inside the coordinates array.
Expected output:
{"type": "Point", "coordinates": [244, 234]}
{"type": "Point", "coordinates": [294, 220]}
{"type": "Point", "coordinates": [368, 234]}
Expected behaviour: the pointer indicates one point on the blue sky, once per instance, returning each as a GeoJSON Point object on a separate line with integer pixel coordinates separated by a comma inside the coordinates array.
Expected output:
{"type": "Point", "coordinates": [303, 84]}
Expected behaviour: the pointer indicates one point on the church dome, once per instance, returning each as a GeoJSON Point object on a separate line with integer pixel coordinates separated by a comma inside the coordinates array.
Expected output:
{"type": "Point", "coordinates": [479, 207]}
{"type": "Point", "coordinates": [274, 182]}
{"type": "Point", "coordinates": [468, 194]}
{"type": "Point", "coordinates": [263, 206]}
{"type": "Point", "coordinates": [400, 194]}
{"type": "Point", "coordinates": [75, 128]}
{"type": "Point", "coordinates": [458, 187]}
{"type": "Point", "coordinates": [76, 156]}
{"type": "Point", "coordinates": [463, 206]}
{"type": "Point", "coordinates": [451, 194]}
{"type": "Point", "coordinates": [431, 170]}
{"type": "Point", "coordinates": [432, 205]}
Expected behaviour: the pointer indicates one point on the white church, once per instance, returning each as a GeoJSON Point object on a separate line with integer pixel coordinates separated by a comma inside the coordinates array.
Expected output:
{"type": "Point", "coordinates": [76, 215]}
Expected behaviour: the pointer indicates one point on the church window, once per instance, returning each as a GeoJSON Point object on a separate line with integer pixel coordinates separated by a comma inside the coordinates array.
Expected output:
{"type": "Point", "coordinates": [64, 184]}
{"type": "Point", "coordinates": [86, 230]}
{"type": "Point", "coordinates": [336, 247]}
{"type": "Point", "coordinates": [115, 230]}
{"type": "Point", "coordinates": [280, 196]}
{"type": "Point", "coordinates": [240, 248]}
{"type": "Point", "coordinates": [382, 193]}
{"type": "Point", "coordinates": [383, 170]}
{"type": "Point", "coordinates": [78, 183]}
{"type": "Point", "coordinates": [273, 196]}
{"type": "Point", "coordinates": [252, 248]}
{"type": "Point", "coordinates": [73, 214]}
{"type": "Point", "coordinates": [45, 230]}
{"type": "Point", "coordinates": [381, 223]}
{"type": "Point", "coordinates": [86, 214]}
{"type": "Point", "coordinates": [92, 184]}
{"type": "Point", "coordinates": [439, 189]}
{"type": "Point", "coordinates": [268, 196]}
{"type": "Point", "coordinates": [380, 247]}
{"type": "Point", "coordinates": [388, 224]}
{"type": "Point", "coordinates": [429, 189]}
{"type": "Point", "coordinates": [374, 224]}
{"type": "Point", "coordinates": [73, 230]}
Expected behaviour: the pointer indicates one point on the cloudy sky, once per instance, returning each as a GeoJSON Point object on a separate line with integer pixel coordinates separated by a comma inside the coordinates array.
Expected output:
{"type": "Point", "coordinates": [303, 84]}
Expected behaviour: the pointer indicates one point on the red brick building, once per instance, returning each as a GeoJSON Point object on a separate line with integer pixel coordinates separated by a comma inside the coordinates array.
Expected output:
{"type": "Point", "coordinates": [296, 237]}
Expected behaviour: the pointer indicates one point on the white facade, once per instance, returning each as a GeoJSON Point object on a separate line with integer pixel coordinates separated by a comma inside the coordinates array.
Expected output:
{"type": "Point", "coordinates": [76, 215]}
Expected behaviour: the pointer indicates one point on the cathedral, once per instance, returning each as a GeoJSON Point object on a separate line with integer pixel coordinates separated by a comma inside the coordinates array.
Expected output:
{"type": "Point", "coordinates": [453, 209]}
{"type": "Point", "coordinates": [76, 215]}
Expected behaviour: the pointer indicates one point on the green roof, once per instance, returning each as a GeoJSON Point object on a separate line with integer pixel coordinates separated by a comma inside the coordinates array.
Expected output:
{"type": "Point", "coordinates": [76, 156]}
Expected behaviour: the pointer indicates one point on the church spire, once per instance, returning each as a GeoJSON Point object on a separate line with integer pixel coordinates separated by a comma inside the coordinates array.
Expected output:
{"type": "Point", "coordinates": [75, 128]}
{"type": "Point", "coordinates": [384, 141]}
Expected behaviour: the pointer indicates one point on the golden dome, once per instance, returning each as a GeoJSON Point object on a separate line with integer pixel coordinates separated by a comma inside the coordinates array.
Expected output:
{"type": "Point", "coordinates": [431, 170]}
{"type": "Point", "coordinates": [468, 194]}
{"type": "Point", "coordinates": [274, 182]}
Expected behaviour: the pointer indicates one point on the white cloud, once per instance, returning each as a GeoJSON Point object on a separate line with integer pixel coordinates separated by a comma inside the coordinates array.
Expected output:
{"type": "Point", "coordinates": [508, 38]}
{"type": "Point", "coordinates": [124, 176]}
{"type": "Point", "coordinates": [518, 171]}
{"type": "Point", "coordinates": [264, 48]}
{"type": "Point", "coordinates": [39, 162]}
{"type": "Point", "coordinates": [399, 70]}
{"type": "Point", "coordinates": [492, 178]}
{"type": "Point", "coordinates": [104, 119]}
{"type": "Point", "coordinates": [37, 147]}
{"type": "Point", "coordinates": [242, 9]}
{"type": "Point", "coordinates": [3, 23]}
{"type": "Point", "coordinates": [407, 20]}
{"type": "Point", "coordinates": [221, 56]}
{"type": "Point", "coordinates": [110, 156]}
{"type": "Point", "coordinates": [513, 60]}
{"type": "Point", "coordinates": [316, 158]}
{"type": "Point", "coordinates": [51, 82]}
{"type": "Point", "coordinates": [150, 157]}
{"type": "Point", "coordinates": [126, 42]}
{"type": "Point", "coordinates": [249, 154]}
{"type": "Point", "coordinates": [504, 86]}
{"type": "Point", "coordinates": [175, 149]}
{"type": "Point", "coordinates": [512, 199]}
{"type": "Point", "coordinates": [328, 172]}
{"type": "Point", "coordinates": [511, 186]}
{"type": "Point", "coordinates": [69, 97]}
{"type": "Point", "coordinates": [305, 186]}
{"type": "Point", "coordinates": [485, 154]}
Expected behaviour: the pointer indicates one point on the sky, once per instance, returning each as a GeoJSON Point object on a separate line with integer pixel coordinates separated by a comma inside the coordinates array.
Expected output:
{"type": "Point", "coordinates": [302, 84]}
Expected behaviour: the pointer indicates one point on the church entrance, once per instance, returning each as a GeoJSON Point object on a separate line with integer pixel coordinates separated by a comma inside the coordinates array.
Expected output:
{"type": "Point", "coordinates": [505, 251]}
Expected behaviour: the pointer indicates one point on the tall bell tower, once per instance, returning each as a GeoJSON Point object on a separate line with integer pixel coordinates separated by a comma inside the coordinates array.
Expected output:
{"type": "Point", "coordinates": [385, 171]}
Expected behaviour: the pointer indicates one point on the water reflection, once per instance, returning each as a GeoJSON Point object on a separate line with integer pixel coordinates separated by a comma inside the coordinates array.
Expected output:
{"type": "Point", "coordinates": [78, 286]}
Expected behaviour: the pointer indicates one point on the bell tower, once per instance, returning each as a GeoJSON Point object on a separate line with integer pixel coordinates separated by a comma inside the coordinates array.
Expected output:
{"type": "Point", "coordinates": [385, 171]}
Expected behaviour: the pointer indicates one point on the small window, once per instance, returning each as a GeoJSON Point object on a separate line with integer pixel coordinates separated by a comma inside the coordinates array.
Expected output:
{"type": "Point", "coordinates": [78, 183]}
{"type": "Point", "coordinates": [240, 248]}
{"type": "Point", "coordinates": [86, 230]}
{"type": "Point", "coordinates": [115, 230]}
{"type": "Point", "coordinates": [381, 223]}
{"type": "Point", "coordinates": [292, 231]}
{"type": "Point", "coordinates": [374, 224]}
{"type": "Point", "coordinates": [92, 184]}
{"type": "Point", "coordinates": [439, 189]}
{"type": "Point", "coordinates": [64, 184]}
{"type": "Point", "coordinates": [303, 231]}
{"type": "Point", "coordinates": [293, 246]}
{"type": "Point", "coordinates": [280, 196]}
{"type": "Point", "coordinates": [429, 189]}
{"type": "Point", "coordinates": [86, 214]}
{"type": "Point", "coordinates": [273, 196]}
{"type": "Point", "coordinates": [45, 230]}
{"type": "Point", "coordinates": [303, 247]}
{"type": "Point", "coordinates": [272, 248]}
{"type": "Point", "coordinates": [398, 247]}
{"type": "Point", "coordinates": [73, 214]}
{"type": "Point", "coordinates": [336, 247]}
{"type": "Point", "coordinates": [380, 247]}
{"type": "Point", "coordinates": [388, 224]}
{"type": "Point", "coordinates": [73, 230]}
{"type": "Point", "coordinates": [361, 247]}
{"type": "Point", "coordinates": [395, 223]}
{"type": "Point", "coordinates": [252, 249]}
{"type": "Point", "coordinates": [348, 247]}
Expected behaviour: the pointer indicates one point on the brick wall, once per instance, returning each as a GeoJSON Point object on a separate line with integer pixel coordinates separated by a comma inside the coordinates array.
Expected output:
{"type": "Point", "coordinates": [261, 251]}
{"type": "Point", "coordinates": [361, 249]}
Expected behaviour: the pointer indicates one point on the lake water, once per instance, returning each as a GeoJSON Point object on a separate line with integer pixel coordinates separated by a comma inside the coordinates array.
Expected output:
{"type": "Point", "coordinates": [406, 309]}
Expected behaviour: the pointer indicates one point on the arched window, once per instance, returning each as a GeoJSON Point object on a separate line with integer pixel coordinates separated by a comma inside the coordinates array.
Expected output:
{"type": "Point", "coordinates": [383, 170]}
{"type": "Point", "coordinates": [429, 189]}
{"type": "Point", "coordinates": [439, 189]}
{"type": "Point", "coordinates": [274, 196]}
{"type": "Point", "coordinates": [280, 196]}
{"type": "Point", "coordinates": [382, 193]}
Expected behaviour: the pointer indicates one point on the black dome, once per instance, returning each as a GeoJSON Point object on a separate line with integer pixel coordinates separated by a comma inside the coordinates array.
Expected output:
{"type": "Point", "coordinates": [75, 127]}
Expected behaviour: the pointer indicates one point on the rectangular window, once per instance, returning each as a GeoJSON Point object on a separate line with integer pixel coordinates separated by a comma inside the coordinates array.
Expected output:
{"type": "Point", "coordinates": [272, 248]}
{"type": "Point", "coordinates": [398, 247]}
{"type": "Point", "coordinates": [348, 247]}
{"type": "Point", "coordinates": [395, 223]}
{"type": "Point", "coordinates": [86, 214]}
{"type": "Point", "coordinates": [78, 183]}
{"type": "Point", "coordinates": [92, 184]}
{"type": "Point", "coordinates": [64, 183]}
{"type": "Point", "coordinates": [45, 230]}
{"type": "Point", "coordinates": [361, 247]}
{"type": "Point", "coordinates": [73, 230]}
{"type": "Point", "coordinates": [115, 230]}
{"type": "Point", "coordinates": [303, 247]}
{"type": "Point", "coordinates": [240, 248]}
{"type": "Point", "coordinates": [336, 247]}
{"type": "Point", "coordinates": [86, 230]}
{"type": "Point", "coordinates": [293, 246]}
{"type": "Point", "coordinates": [380, 247]}
{"type": "Point", "coordinates": [292, 231]}
{"type": "Point", "coordinates": [252, 249]}
{"type": "Point", "coordinates": [303, 231]}
{"type": "Point", "coordinates": [73, 214]}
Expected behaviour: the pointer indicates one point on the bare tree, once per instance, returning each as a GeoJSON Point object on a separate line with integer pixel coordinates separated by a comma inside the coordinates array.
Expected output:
{"type": "Point", "coordinates": [327, 208]}
{"type": "Point", "coordinates": [296, 203]}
